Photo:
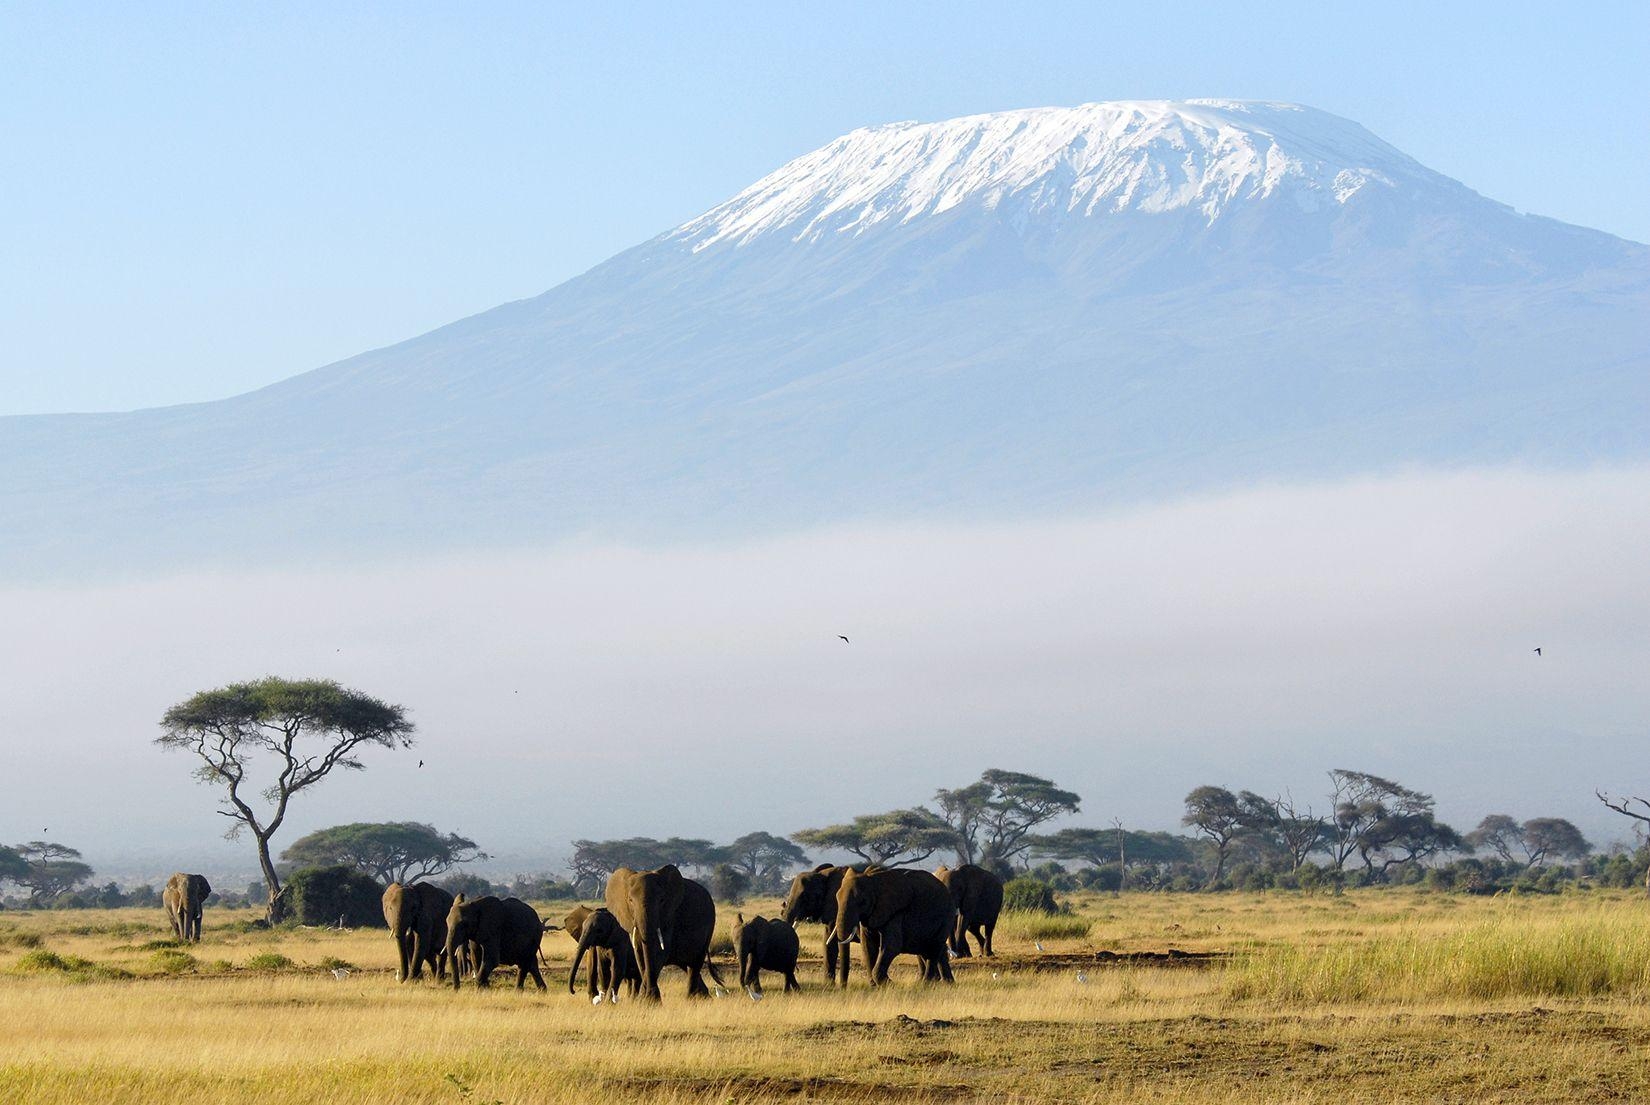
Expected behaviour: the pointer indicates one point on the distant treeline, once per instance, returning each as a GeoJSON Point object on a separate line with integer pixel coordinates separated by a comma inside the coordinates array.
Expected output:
{"type": "Point", "coordinates": [1364, 830]}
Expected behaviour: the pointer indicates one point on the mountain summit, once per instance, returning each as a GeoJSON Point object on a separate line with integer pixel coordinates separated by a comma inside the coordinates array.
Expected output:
{"type": "Point", "coordinates": [1024, 312]}
{"type": "Point", "coordinates": [1149, 156]}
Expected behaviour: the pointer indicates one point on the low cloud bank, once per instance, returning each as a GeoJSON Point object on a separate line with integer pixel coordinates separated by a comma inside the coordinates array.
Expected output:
{"type": "Point", "coordinates": [1254, 639]}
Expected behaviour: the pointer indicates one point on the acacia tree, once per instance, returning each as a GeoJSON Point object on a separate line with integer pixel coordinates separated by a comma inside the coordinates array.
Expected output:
{"type": "Point", "coordinates": [1632, 806]}
{"type": "Point", "coordinates": [763, 859]}
{"type": "Point", "coordinates": [1217, 814]}
{"type": "Point", "coordinates": [48, 870]}
{"type": "Point", "coordinates": [307, 728]}
{"type": "Point", "coordinates": [896, 837]}
{"type": "Point", "coordinates": [992, 820]}
{"type": "Point", "coordinates": [1365, 809]}
{"type": "Point", "coordinates": [1553, 838]}
{"type": "Point", "coordinates": [1500, 834]}
{"type": "Point", "coordinates": [391, 851]}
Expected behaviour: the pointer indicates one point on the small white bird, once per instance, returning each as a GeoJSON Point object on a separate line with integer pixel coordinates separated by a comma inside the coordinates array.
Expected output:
{"type": "Point", "coordinates": [756, 995]}
{"type": "Point", "coordinates": [721, 993]}
{"type": "Point", "coordinates": [1081, 977]}
{"type": "Point", "coordinates": [340, 973]}
{"type": "Point", "coordinates": [995, 975]}
{"type": "Point", "coordinates": [597, 1000]}
{"type": "Point", "coordinates": [1038, 944]}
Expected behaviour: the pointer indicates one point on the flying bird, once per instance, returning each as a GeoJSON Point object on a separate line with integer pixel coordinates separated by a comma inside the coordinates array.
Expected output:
{"type": "Point", "coordinates": [420, 763]}
{"type": "Point", "coordinates": [843, 639]}
{"type": "Point", "coordinates": [1538, 652]}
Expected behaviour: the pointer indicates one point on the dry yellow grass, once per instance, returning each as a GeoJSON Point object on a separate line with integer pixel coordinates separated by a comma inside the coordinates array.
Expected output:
{"type": "Point", "coordinates": [1321, 999]}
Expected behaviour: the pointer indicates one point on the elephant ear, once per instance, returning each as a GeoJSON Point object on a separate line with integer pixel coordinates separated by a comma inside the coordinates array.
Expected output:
{"type": "Point", "coordinates": [202, 887]}
{"type": "Point", "coordinates": [889, 895]}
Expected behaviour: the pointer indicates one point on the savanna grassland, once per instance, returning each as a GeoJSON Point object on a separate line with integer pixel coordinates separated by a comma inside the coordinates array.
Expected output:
{"type": "Point", "coordinates": [1370, 996]}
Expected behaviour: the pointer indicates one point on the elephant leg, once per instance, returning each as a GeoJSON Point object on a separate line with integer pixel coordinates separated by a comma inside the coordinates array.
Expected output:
{"type": "Point", "coordinates": [831, 950]}
{"type": "Point", "coordinates": [416, 939]}
{"type": "Point", "coordinates": [489, 963]}
{"type": "Point", "coordinates": [790, 981]}
{"type": "Point", "coordinates": [884, 960]}
{"type": "Point", "coordinates": [942, 964]}
{"type": "Point", "coordinates": [750, 974]}
{"type": "Point", "coordinates": [696, 981]}
{"type": "Point", "coordinates": [990, 929]}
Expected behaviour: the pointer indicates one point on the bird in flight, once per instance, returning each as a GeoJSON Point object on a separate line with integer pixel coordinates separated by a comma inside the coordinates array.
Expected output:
{"type": "Point", "coordinates": [1538, 652]}
{"type": "Point", "coordinates": [420, 763]}
{"type": "Point", "coordinates": [843, 639]}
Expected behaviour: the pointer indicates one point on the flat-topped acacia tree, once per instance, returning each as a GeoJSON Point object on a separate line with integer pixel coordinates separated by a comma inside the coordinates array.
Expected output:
{"type": "Point", "coordinates": [302, 729]}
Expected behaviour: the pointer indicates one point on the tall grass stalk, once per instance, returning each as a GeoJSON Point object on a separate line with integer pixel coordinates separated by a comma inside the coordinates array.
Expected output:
{"type": "Point", "coordinates": [1587, 953]}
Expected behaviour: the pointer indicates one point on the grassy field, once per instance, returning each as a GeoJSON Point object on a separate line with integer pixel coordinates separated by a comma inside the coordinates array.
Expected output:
{"type": "Point", "coordinates": [1389, 996]}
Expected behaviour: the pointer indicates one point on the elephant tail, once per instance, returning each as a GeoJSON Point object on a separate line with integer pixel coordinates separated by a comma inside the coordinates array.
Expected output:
{"type": "Point", "coordinates": [715, 975]}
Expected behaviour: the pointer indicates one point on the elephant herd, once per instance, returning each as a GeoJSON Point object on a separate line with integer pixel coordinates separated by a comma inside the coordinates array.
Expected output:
{"type": "Point", "coordinates": [650, 920]}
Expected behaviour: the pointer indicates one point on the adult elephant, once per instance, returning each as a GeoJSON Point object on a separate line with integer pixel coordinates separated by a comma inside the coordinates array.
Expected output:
{"type": "Point", "coordinates": [185, 899]}
{"type": "Point", "coordinates": [978, 896]}
{"type": "Point", "coordinates": [908, 911]}
{"type": "Point", "coordinates": [812, 898]}
{"type": "Point", "coordinates": [670, 920]}
{"type": "Point", "coordinates": [612, 960]}
{"type": "Point", "coordinates": [499, 931]}
{"type": "Point", "coordinates": [417, 916]}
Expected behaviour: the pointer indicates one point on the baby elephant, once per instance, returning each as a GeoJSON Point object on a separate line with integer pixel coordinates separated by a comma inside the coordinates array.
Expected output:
{"type": "Point", "coordinates": [764, 945]}
{"type": "Point", "coordinates": [612, 960]}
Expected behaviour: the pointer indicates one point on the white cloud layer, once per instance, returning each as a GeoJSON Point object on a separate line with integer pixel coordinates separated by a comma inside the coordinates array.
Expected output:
{"type": "Point", "coordinates": [1254, 640]}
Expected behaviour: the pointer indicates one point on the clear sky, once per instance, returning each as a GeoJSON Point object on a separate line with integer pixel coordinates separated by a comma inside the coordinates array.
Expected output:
{"type": "Point", "coordinates": [202, 200]}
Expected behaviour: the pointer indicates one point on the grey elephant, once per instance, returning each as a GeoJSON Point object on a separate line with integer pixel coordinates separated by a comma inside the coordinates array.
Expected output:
{"type": "Point", "coordinates": [185, 899]}
{"type": "Point", "coordinates": [497, 932]}
{"type": "Point", "coordinates": [978, 896]}
{"type": "Point", "coordinates": [910, 911]}
{"type": "Point", "coordinates": [764, 945]}
{"type": "Point", "coordinates": [417, 916]}
{"type": "Point", "coordinates": [670, 920]}
{"type": "Point", "coordinates": [812, 898]}
{"type": "Point", "coordinates": [612, 959]}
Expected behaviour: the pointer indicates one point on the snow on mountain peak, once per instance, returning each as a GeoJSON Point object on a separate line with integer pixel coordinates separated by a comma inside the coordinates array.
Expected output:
{"type": "Point", "coordinates": [1147, 156]}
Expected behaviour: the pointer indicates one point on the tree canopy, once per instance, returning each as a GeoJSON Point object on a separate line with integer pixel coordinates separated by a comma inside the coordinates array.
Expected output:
{"type": "Point", "coordinates": [47, 870]}
{"type": "Point", "coordinates": [305, 728]}
{"type": "Point", "coordinates": [992, 819]}
{"type": "Point", "coordinates": [892, 838]}
{"type": "Point", "coordinates": [391, 851]}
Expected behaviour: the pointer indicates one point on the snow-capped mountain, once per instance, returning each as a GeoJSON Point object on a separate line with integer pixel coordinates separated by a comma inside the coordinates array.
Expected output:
{"type": "Point", "coordinates": [1023, 312]}
{"type": "Point", "coordinates": [1097, 159]}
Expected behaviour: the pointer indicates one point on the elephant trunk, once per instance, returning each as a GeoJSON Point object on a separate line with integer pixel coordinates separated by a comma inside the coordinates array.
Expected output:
{"type": "Point", "coordinates": [578, 957]}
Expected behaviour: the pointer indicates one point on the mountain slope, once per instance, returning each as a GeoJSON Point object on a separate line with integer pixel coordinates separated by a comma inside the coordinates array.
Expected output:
{"type": "Point", "coordinates": [1012, 313]}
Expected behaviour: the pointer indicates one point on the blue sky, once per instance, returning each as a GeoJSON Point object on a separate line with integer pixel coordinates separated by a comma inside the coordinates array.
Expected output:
{"type": "Point", "coordinates": [199, 201]}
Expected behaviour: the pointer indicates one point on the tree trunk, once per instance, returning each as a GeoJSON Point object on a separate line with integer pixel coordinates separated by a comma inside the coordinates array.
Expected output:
{"type": "Point", "coordinates": [275, 913]}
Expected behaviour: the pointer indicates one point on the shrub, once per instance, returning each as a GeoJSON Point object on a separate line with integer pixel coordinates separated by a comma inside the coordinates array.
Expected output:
{"type": "Point", "coordinates": [172, 961]}
{"type": "Point", "coordinates": [324, 895]}
{"type": "Point", "coordinates": [1026, 895]}
{"type": "Point", "coordinates": [269, 961]}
